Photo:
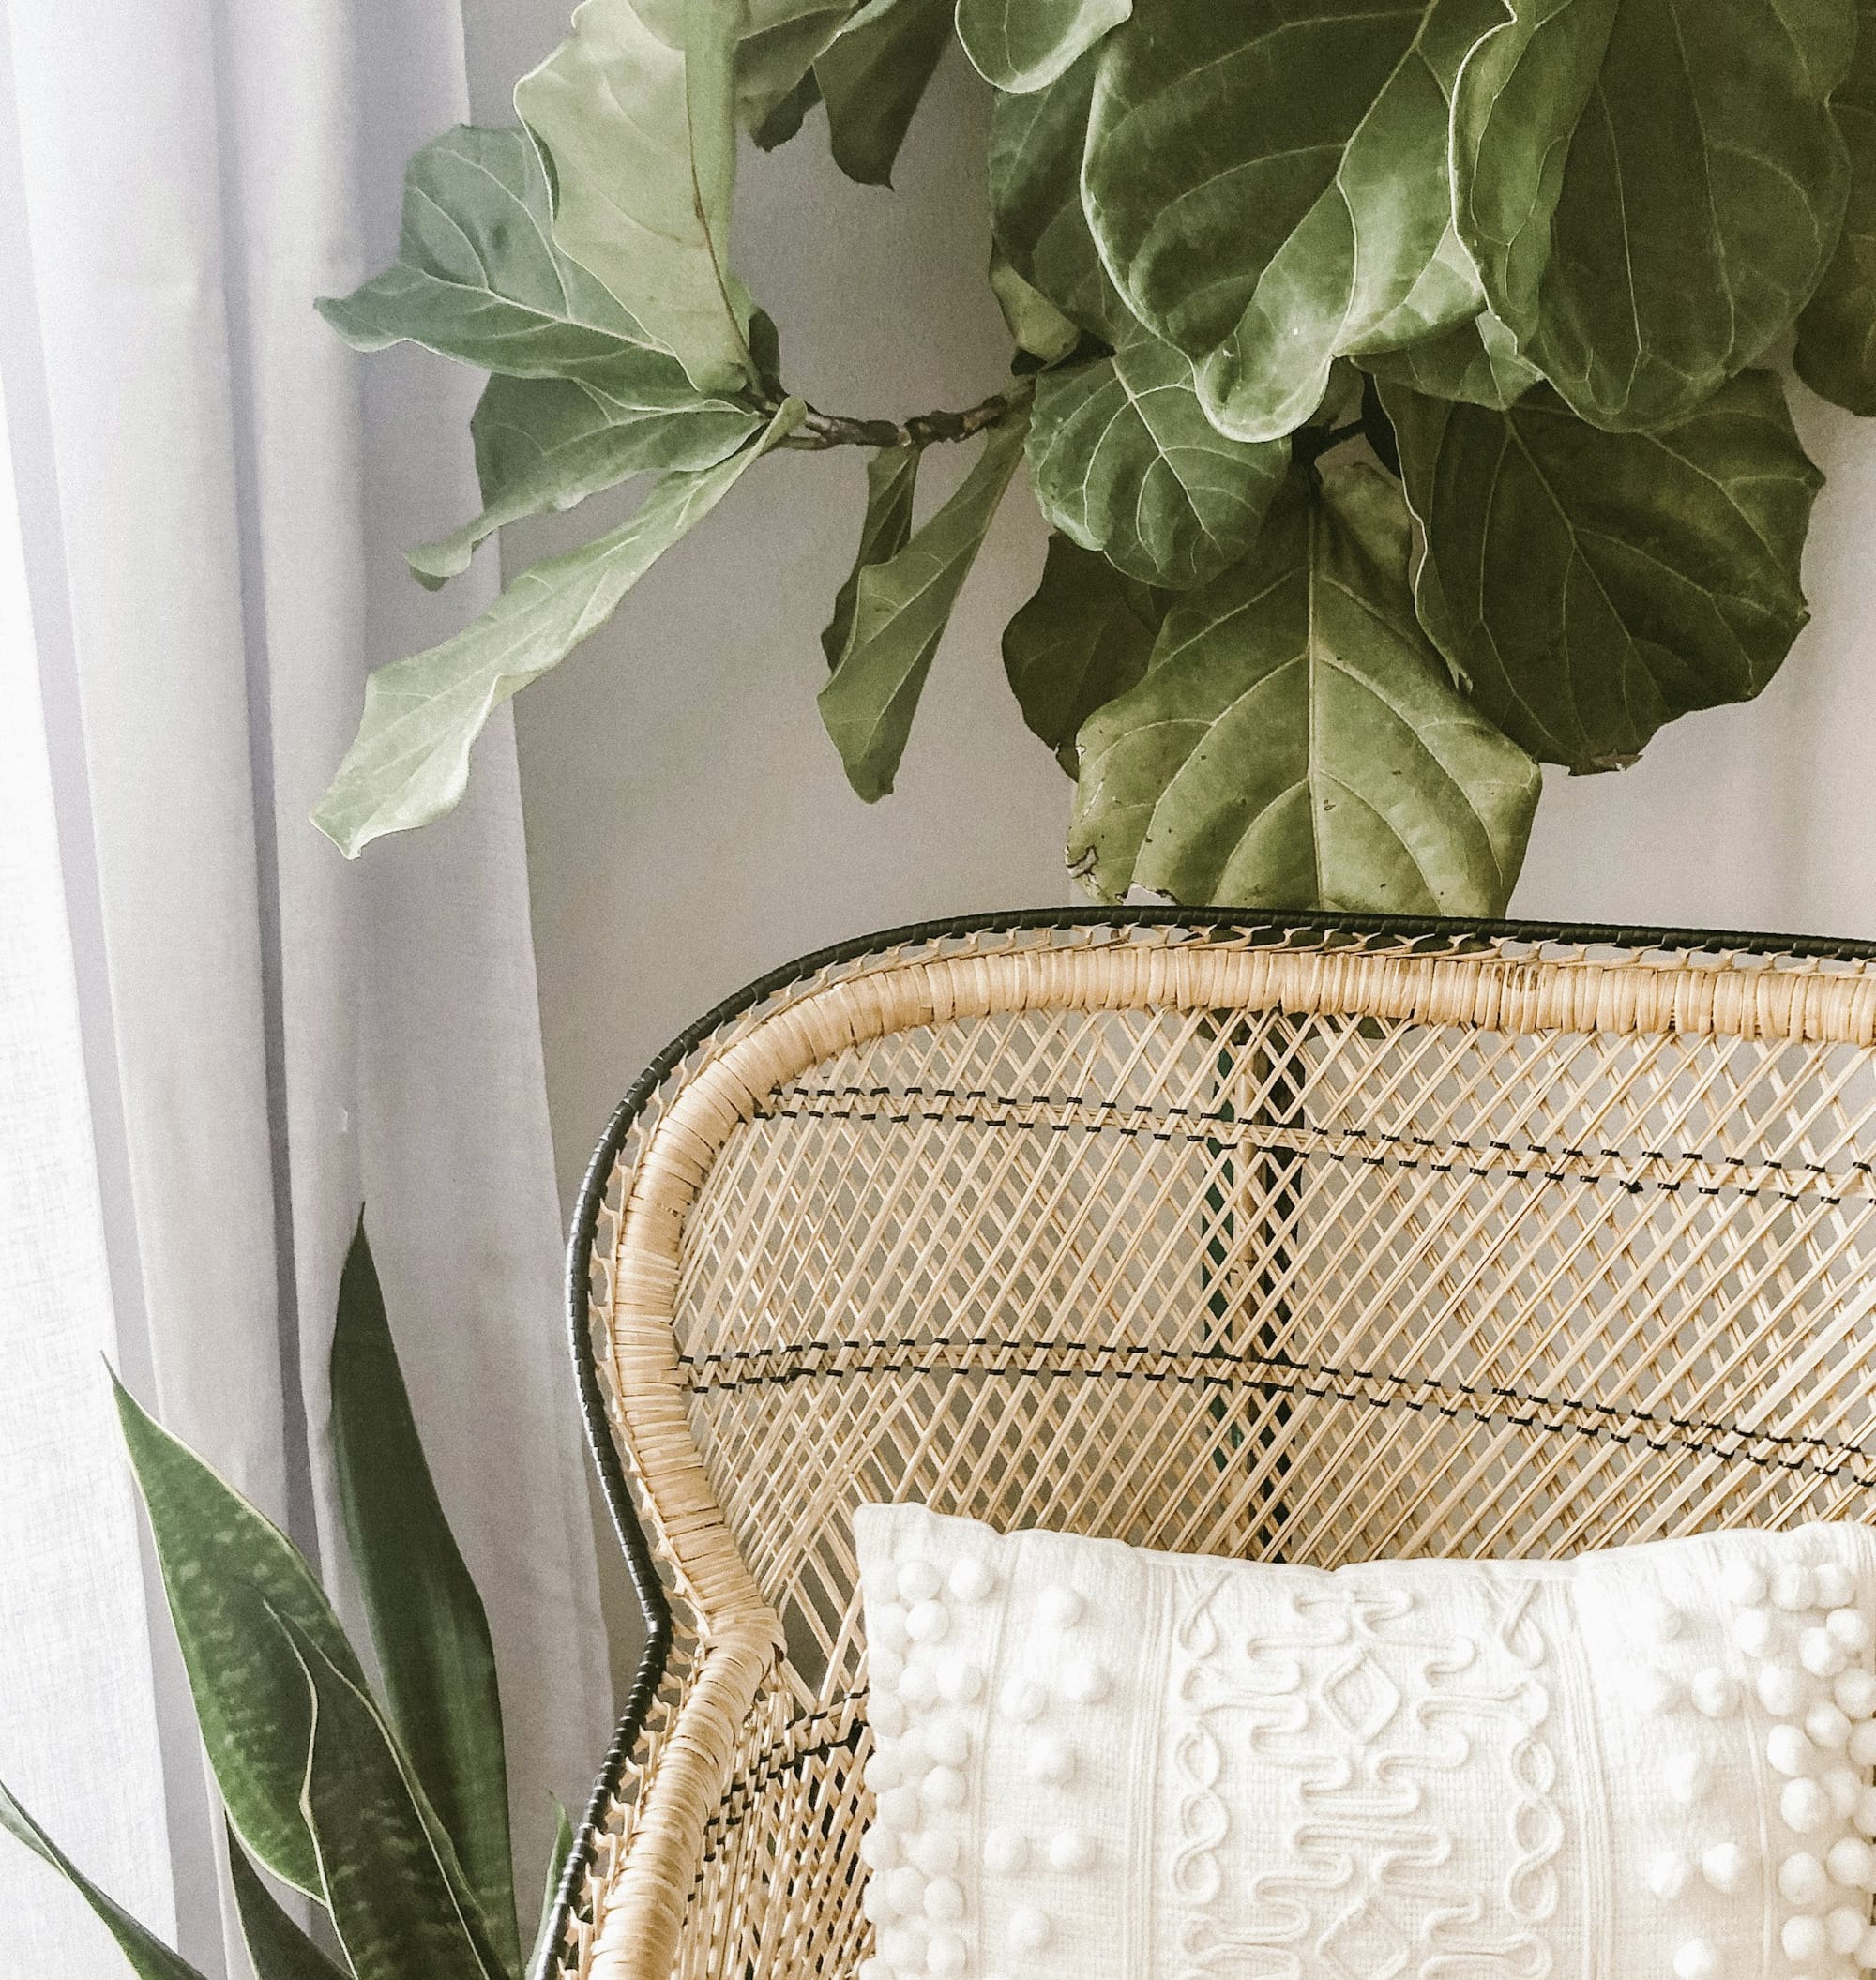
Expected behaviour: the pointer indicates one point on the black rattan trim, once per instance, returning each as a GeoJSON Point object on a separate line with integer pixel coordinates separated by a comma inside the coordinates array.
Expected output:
{"type": "Point", "coordinates": [652, 1601]}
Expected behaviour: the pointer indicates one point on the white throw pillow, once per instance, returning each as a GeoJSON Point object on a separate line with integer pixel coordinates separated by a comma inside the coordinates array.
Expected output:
{"type": "Point", "coordinates": [1100, 1762]}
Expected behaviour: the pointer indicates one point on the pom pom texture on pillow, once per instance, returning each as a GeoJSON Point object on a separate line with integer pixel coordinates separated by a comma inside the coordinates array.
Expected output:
{"type": "Point", "coordinates": [1100, 1762]}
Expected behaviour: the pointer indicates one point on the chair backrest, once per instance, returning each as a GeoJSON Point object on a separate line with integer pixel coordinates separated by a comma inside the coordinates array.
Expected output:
{"type": "Point", "coordinates": [1306, 1242]}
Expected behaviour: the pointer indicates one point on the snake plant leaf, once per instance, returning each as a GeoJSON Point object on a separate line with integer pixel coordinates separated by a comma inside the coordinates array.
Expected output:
{"type": "Point", "coordinates": [1269, 187]}
{"type": "Point", "coordinates": [901, 609]}
{"type": "Point", "coordinates": [1023, 45]}
{"type": "Point", "coordinates": [435, 1656]}
{"type": "Point", "coordinates": [543, 445]}
{"type": "Point", "coordinates": [148, 1957]}
{"type": "Point", "coordinates": [1034, 160]}
{"type": "Point", "coordinates": [389, 1876]}
{"type": "Point", "coordinates": [892, 481]}
{"type": "Point", "coordinates": [1589, 587]}
{"type": "Point", "coordinates": [222, 1562]}
{"type": "Point", "coordinates": [1297, 741]}
{"type": "Point", "coordinates": [1035, 324]}
{"type": "Point", "coordinates": [1123, 459]}
{"type": "Point", "coordinates": [479, 276]}
{"type": "Point", "coordinates": [1079, 641]}
{"type": "Point", "coordinates": [1476, 362]}
{"type": "Point", "coordinates": [1651, 195]}
{"type": "Point", "coordinates": [1837, 334]}
{"type": "Point", "coordinates": [277, 1947]}
{"type": "Point", "coordinates": [637, 109]}
{"type": "Point", "coordinates": [872, 76]}
{"type": "Point", "coordinates": [409, 761]}
{"type": "Point", "coordinates": [557, 1868]}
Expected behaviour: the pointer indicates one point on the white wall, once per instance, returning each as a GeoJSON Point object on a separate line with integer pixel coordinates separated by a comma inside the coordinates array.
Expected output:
{"type": "Point", "coordinates": [688, 824]}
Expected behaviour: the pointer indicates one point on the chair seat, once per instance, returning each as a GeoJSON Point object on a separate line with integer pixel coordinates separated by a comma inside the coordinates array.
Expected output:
{"type": "Point", "coordinates": [1314, 1241]}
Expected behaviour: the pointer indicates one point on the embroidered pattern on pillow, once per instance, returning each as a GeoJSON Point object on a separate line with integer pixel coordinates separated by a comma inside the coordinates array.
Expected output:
{"type": "Point", "coordinates": [1090, 1760]}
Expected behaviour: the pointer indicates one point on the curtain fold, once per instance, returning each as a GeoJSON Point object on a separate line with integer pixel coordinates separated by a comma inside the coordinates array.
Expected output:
{"type": "Point", "coordinates": [290, 1035]}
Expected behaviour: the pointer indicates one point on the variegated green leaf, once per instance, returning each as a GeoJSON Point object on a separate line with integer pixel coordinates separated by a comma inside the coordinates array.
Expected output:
{"type": "Point", "coordinates": [150, 1958]}
{"type": "Point", "coordinates": [387, 1871]}
{"type": "Point", "coordinates": [435, 1655]}
{"type": "Point", "coordinates": [556, 1869]}
{"type": "Point", "coordinates": [277, 1947]}
{"type": "Point", "coordinates": [223, 1564]}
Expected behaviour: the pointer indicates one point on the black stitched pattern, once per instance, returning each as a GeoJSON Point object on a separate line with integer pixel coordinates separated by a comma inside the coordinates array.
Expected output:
{"type": "Point", "coordinates": [1218, 1367]}
{"type": "Point", "coordinates": [782, 1757]}
{"type": "Point", "coordinates": [1450, 1157]}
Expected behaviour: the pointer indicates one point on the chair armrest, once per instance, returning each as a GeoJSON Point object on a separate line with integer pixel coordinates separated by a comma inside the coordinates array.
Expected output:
{"type": "Point", "coordinates": [637, 1936]}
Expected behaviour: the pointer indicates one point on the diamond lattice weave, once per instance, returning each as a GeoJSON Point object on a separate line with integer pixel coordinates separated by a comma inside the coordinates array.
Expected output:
{"type": "Point", "coordinates": [1295, 1246]}
{"type": "Point", "coordinates": [1093, 1758]}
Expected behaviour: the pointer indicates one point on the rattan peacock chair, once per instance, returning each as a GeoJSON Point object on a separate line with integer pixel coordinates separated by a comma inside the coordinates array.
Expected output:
{"type": "Point", "coordinates": [1313, 1242]}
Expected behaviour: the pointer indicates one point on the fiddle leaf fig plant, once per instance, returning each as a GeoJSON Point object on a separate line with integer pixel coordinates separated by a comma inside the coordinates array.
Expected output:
{"type": "Point", "coordinates": [1397, 385]}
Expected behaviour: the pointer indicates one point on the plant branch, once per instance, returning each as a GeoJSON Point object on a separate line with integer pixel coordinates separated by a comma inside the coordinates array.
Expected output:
{"type": "Point", "coordinates": [819, 430]}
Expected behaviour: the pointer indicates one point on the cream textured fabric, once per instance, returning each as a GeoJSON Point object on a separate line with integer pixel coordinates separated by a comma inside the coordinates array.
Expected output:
{"type": "Point", "coordinates": [1092, 1759]}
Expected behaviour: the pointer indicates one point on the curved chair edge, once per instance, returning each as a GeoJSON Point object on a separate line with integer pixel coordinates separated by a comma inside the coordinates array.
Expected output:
{"type": "Point", "coordinates": [653, 1602]}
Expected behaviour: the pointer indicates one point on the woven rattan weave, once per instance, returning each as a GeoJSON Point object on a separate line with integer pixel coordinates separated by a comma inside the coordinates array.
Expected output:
{"type": "Point", "coordinates": [1312, 1242]}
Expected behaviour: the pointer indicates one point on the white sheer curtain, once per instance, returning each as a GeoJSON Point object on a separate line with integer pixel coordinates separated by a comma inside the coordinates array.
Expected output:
{"type": "Point", "coordinates": [211, 494]}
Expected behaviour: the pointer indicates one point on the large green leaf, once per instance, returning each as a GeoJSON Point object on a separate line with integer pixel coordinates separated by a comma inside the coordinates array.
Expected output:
{"type": "Point", "coordinates": [557, 1868]}
{"type": "Point", "coordinates": [787, 117]}
{"type": "Point", "coordinates": [1297, 743]}
{"type": "Point", "coordinates": [223, 1566]}
{"type": "Point", "coordinates": [872, 75]}
{"type": "Point", "coordinates": [1123, 459]}
{"type": "Point", "coordinates": [900, 610]}
{"type": "Point", "coordinates": [545, 443]}
{"type": "Point", "coordinates": [1651, 187]}
{"type": "Point", "coordinates": [1081, 639]}
{"type": "Point", "coordinates": [637, 109]}
{"type": "Point", "coordinates": [1476, 362]}
{"type": "Point", "coordinates": [1590, 586]}
{"type": "Point", "coordinates": [388, 1875]}
{"type": "Point", "coordinates": [886, 527]}
{"type": "Point", "coordinates": [478, 275]}
{"type": "Point", "coordinates": [148, 1957]}
{"type": "Point", "coordinates": [776, 57]}
{"type": "Point", "coordinates": [1269, 187]}
{"type": "Point", "coordinates": [1033, 321]}
{"type": "Point", "coordinates": [435, 1655]}
{"type": "Point", "coordinates": [409, 761]}
{"type": "Point", "coordinates": [1837, 333]}
{"type": "Point", "coordinates": [1035, 160]}
{"type": "Point", "coordinates": [1023, 45]}
{"type": "Point", "coordinates": [276, 1945]}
